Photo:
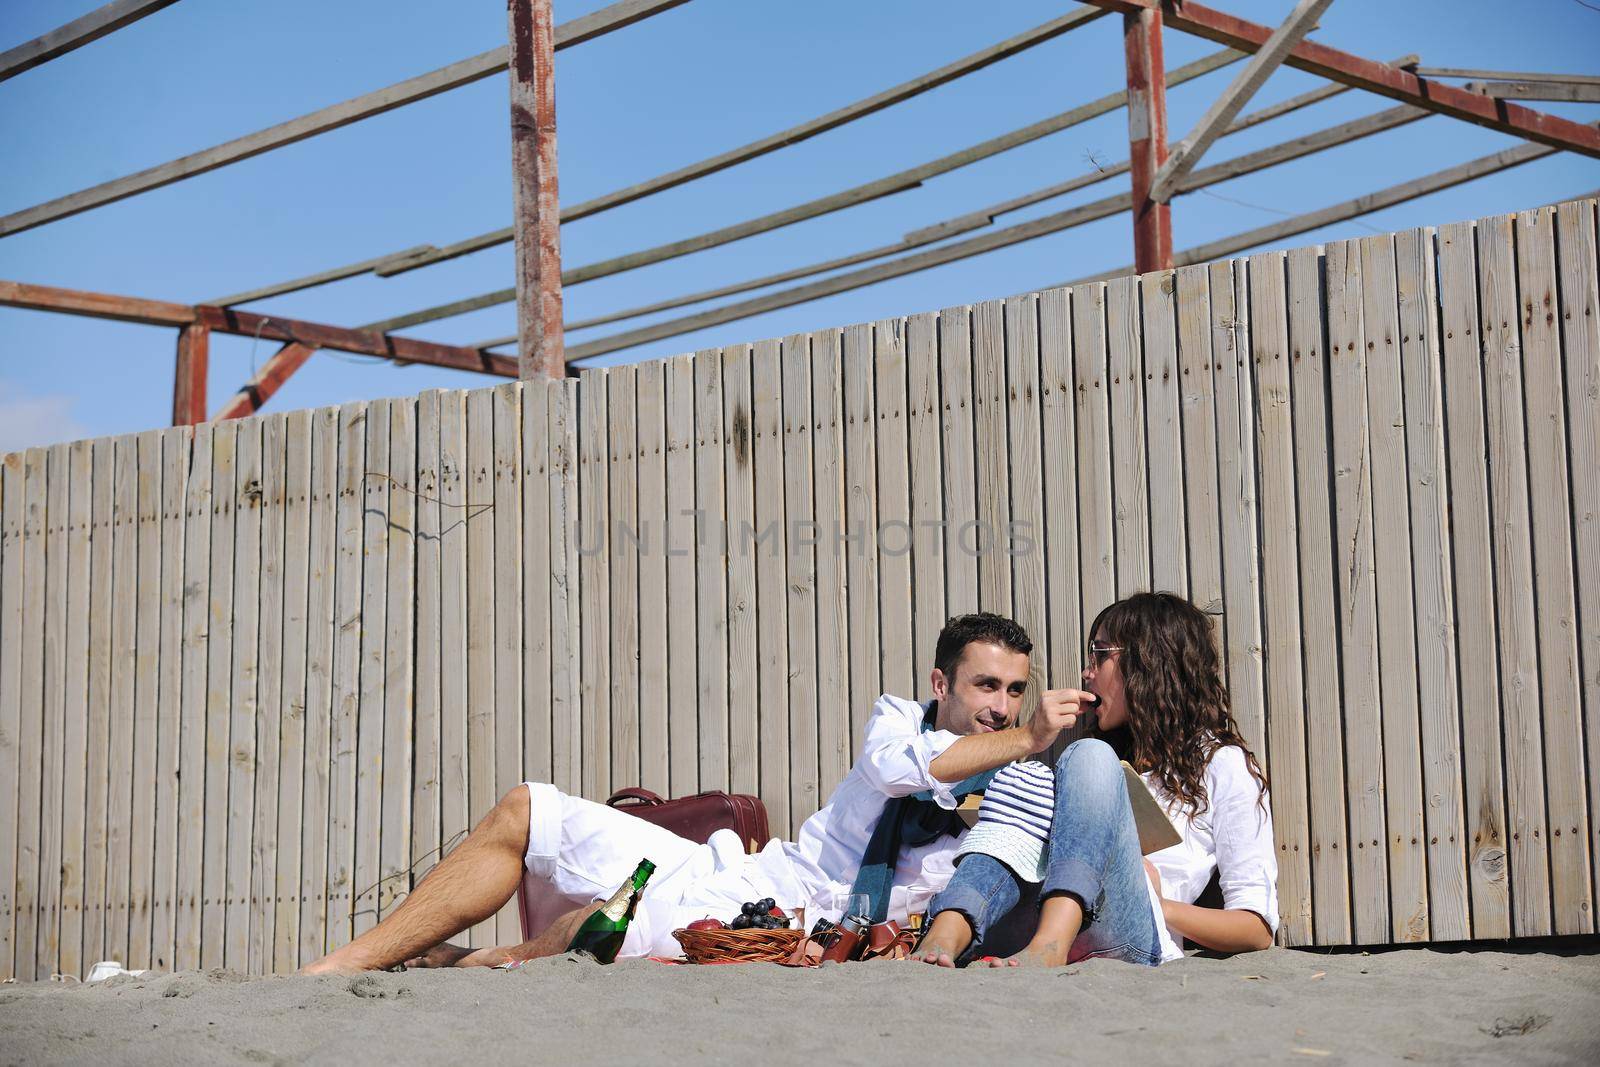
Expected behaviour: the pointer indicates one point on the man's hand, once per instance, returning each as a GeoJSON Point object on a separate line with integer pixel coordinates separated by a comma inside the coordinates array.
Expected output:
{"type": "Point", "coordinates": [1058, 710]}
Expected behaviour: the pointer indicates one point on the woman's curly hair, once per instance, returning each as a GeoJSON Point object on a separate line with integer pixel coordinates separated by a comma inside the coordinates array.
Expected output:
{"type": "Point", "coordinates": [1178, 707]}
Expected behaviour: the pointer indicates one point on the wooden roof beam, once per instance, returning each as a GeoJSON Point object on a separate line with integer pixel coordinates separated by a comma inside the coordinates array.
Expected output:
{"type": "Point", "coordinates": [1570, 92]}
{"type": "Point", "coordinates": [1374, 76]}
{"type": "Point", "coordinates": [75, 34]}
{"type": "Point", "coordinates": [575, 31]}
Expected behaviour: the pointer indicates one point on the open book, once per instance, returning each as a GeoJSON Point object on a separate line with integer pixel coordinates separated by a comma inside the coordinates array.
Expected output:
{"type": "Point", "coordinates": [1156, 831]}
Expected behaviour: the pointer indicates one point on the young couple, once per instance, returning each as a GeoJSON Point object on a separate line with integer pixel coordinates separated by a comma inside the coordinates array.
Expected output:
{"type": "Point", "coordinates": [1054, 851]}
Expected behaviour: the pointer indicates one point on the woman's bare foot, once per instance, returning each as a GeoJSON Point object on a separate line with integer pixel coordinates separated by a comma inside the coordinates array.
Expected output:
{"type": "Point", "coordinates": [947, 938]}
{"type": "Point", "coordinates": [1039, 953]}
{"type": "Point", "coordinates": [443, 954]}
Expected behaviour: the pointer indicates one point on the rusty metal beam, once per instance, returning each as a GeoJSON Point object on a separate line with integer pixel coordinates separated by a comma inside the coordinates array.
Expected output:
{"type": "Point", "coordinates": [1380, 78]}
{"type": "Point", "coordinates": [1147, 136]}
{"type": "Point", "coordinates": [75, 34]}
{"type": "Point", "coordinates": [189, 377]}
{"type": "Point", "coordinates": [536, 212]}
{"type": "Point", "coordinates": [254, 394]}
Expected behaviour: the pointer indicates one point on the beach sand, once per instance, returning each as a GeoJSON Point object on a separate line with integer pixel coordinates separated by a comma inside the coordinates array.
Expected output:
{"type": "Point", "coordinates": [1280, 1006]}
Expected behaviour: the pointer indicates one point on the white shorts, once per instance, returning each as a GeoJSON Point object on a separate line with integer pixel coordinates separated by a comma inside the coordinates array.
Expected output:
{"type": "Point", "coordinates": [581, 852]}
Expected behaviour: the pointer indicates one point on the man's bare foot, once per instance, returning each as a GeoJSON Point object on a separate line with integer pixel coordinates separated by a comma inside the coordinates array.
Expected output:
{"type": "Point", "coordinates": [332, 963]}
{"type": "Point", "coordinates": [1049, 953]}
{"type": "Point", "coordinates": [947, 938]}
{"type": "Point", "coordinates": [443, 954]}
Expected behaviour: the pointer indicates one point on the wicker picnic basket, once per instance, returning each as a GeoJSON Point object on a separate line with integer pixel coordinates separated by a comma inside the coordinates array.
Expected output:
{"type": "Point", "coordinates": [738, 946]}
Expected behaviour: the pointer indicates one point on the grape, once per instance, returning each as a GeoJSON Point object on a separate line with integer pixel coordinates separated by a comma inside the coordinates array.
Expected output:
{"type": "Point", "coordinates": [765, 904]}
{"type": "Point", "coordinates": [748, 908]}
{"type": "Point", "coordinates": [741, 922]}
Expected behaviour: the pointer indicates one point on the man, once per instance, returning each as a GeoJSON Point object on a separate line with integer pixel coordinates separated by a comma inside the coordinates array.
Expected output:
{"type": "Point", "coordinates": [915, 757]}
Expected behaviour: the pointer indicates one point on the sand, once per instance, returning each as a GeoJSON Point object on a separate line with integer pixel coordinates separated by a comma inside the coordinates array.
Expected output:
{"type": "Point", "coordinates": [1278, 1006]}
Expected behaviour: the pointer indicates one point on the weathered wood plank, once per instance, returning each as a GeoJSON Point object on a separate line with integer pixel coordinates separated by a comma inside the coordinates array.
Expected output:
{"type": "Point", "coordinates": [457, 506]}
{"type": "Point", "coordinates": [238, 818]}
{"type": "Point", "coordinates": [1437, 676]}
{"type": "Point", "coordinates": [395, 853]}
{"type": "Point", "coordinates": [271, 717]}
{"type": "Point", "coordinates": [30, 748]}
{"type": "Point", "coordinates": [712, 565]}
{"type": "Point", "coordinates": [540, 568]}
{"type": "Point", "coordinates": [770, 551]}
{"type": "Point", "coordinates": [13, 485]}
{"type": "Point", "coordinates": [739, 433]}
{"type": "Point", "coordinates": [69, 771]}
{"type": "Point", "coordinates": [623, 534]}
{"type": "Point", "coordinates": [1327, 835]}
{"type": "Point", "coordinates": [1092, 416]}
{"type": "Point", "coordinates": [375, 491]}
{"type": "Point", "coordinates": [800, 585]}
{"type": "Point", "coordinates": [836, 741]}
{"type": "Point", "coordinates": [98, 779]}
{"type": "Point", "coordinates": [167, 692]}
{"type": "Point", "coordinates": [992, 461]}
{"type": "Point", "coordinates": [479, 579]}
{"type": "Point", "coordinates": [895, 534]}
{"type": "Point", "coordinates": [1130, 474]}
{"type": "Point", "coordinates": [1158, 303]}
{"type": "Point", "coordinates": [924, 415]}
{"type": "Point", "coordinates": [1580, 343]}
{"type": "Point", "coordinates": [136, 632]}
{"type": "Point", "coordinates": [594, 565]}
{"type": "Point", "coordinates": [679, 532]}
{"type": "Point", "coordinates": [1477, 644]}
{"type": "Point", "coordinates": [344, 753]}
{"type": "Point", "coordinates": [1058, 536]}
{"type": "Point", "coordinates": [1358, 609]}
{"type": "Point", "coordinates": [566, 709]}
{"type": "Point", "coordinates": [858, 540]}
{"type": "Point", "coordinates": [506, 595]}
{"type": "Point", "coordinates": [1022, 542]}
{"type": "Point", "coordinates": [1554, 580]}
{"type": "Point", "coordinates": [191, 725]}
{"type": "Point", "coordinates": [219, 694]}
{"type": "Point", "coordinates": [295, 504]}
{"type": "Point", "coordinates": [960, 461]}
{"type": "Point", "coordinates": [427, 685]}
{"type": "Point", "coordinates": [654, 754]}
{"type": "Point", "coordinates": [322, 627]}
{"type": "Point", "coordinates": [1198, 418]}
{"type": "Point", "coordinates": [1513, 572]}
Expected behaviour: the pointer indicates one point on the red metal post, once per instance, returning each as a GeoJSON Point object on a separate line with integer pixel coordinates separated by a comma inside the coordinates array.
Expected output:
{"type": "Point", "coordinates": [537, 213]}
{"type": "Point", "coordinates": [1147, 137]}
{"type": "Point", "coordinates": [189, 385]}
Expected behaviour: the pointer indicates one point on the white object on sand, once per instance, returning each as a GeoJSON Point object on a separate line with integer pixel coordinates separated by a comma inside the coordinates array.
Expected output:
{"type": "Point", "coordinates": [108, 969]}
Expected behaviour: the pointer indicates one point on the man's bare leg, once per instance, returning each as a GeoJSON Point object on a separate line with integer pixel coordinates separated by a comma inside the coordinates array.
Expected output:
{"type": "Point", "coordinates": [468, 886]}
{"type": "Point", "coordinates": [552, 941]}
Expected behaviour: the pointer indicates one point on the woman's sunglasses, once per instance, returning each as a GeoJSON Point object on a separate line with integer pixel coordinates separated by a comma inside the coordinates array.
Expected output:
{"type": "Point", "coordinates": [1098, 652]}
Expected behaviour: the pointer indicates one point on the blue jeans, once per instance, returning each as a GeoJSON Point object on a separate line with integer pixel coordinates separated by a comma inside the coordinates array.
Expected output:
{"type": "Point", "coordinates": [1093, 855]}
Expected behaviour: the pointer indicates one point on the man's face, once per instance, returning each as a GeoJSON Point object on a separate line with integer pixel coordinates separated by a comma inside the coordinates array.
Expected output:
{"type": "Point", "coordinates": [986, 692]}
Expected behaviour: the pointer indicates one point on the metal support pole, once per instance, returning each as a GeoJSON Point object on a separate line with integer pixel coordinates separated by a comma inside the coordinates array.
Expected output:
{"type": "Point", "coordinates": [189, 384]}
{"type": "Point", "coordinates": [537, 215]}
{"type": "Point", "coordinates": [1147, 137]}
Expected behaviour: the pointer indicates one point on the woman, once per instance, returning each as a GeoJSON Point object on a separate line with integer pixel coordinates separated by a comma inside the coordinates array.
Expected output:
{"type": "Point", "coordinates": [1153, 663]}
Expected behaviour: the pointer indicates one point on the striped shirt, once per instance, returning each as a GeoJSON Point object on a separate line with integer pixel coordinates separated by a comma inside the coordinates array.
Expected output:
{"type": "Point", "coordinates": [1021, 795]}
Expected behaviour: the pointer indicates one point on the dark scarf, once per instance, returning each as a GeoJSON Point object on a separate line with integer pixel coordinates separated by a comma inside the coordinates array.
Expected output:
{"type": "Point", "coordinates": [908, 822]}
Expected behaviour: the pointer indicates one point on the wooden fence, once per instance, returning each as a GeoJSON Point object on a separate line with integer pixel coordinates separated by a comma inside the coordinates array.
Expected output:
{"type": "Point", "coordinates": [255, 675]}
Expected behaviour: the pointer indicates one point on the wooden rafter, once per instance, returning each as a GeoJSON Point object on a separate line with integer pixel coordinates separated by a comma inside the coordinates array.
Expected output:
{"type": "Point", "coordinates": [75, 34]}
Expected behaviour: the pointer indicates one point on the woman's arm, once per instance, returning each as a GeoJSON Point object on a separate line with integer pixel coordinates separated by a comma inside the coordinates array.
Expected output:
{"type": "Point", "coordinates": [1230, 930]}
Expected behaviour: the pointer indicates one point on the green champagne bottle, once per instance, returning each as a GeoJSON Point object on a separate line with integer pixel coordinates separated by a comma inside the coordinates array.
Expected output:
{"type": "Point", "coordinates": [601, 934]}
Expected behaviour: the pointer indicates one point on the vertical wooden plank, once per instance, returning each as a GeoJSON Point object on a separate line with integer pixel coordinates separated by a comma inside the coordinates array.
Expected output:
{"type": "Point", "coordinates": [1130, 475]}
{"type": "Point", "coordinates": [1358, 611]}
{"type": "Point", "coordinates": [191, 726]}
{"type": "Point", "coordinates": [800, 586]}
{"type": "Point", "coordinates": [1158, 315]}
{"type": "Point", "coordinates": [960, 461]}
{"type": "Point", "coordinates": [1236, 487]}
{"type": "Point", "coordinates": [395, 854]}
{"type": "Point", "coordinates": [1473, 570]}
{"type": "Point", "coordinates": [59, 482]}
{"type": "Point", "coordinates": [1059, 535]}
{"type": "Point", "coordinates": [376, 493]}
{"type": "Point", "coordinates": [12, 488]}
{"type": "Point", "coordinates": [1324, 730]}
{"type": "Point", "coordinates": [31, 741]}
{"type": "Point", "coordinates": [566, 710]}
{"type": "Point", "coordinates": [272, 718]}
{"type": "Point", "coordinates": [924, 415]}
{"type": "Point", "coordinates": [1554, 581]}
{"type": "Point", "coordinates": [1198, 416]}
{"type": "Point", "coordinates": [1092, 417]}
{"type": "Point", "coordinates": [219, 695]}
{"type": "Point", "coordinates": [835, 740]}
{"type": "Point", "coordinates": [1580, 343]}
{"type": "Point", "coordinates": [711, 564]}
{"type": "Point", "coordinates": [651, 408]}
{"type": "Point", "coordinates": [679, 528]}
{"type": "Point", "coordinates": [1280, 537]}
{"type": "Point", "coordinates": [506, 515]}
{"type": "Point", "coordinates": [428, 711]}
{"type": "Point", "coordinates": [739, 455]}
{"type": "Point", "coordinates": [456, 508]}
{"type": "Point", "coordinates": [479, 516]}
{"type": "Point", "coordinates": [539, 568]}
{"type": "Point", "coordinates": [623, 534]}
{"type": "Point", "coordinates": [69, 767]}
{"type": "Point", "coordinates": [1437, 677]}
{"type": "Point", "coordinates": [895, 534]}
{"type": "Point", "coordinates": [858, 540]}
{"type": "Point", "coordinates": [1513, 547]}
{"type": "Point", "coordinates": [294, 685]}
{"type": "Point", "coordinates": [1397, 655]}
{"type": "Point", "coordinates": [594, 554]}
{"type": "Point", "coordinates": [322, 625]}
{"type": "Point", "coordinates": [992, 466]}
{"type": "Point", "coordinates": [97, 770]}
{"type": "Point", "coordinates": [1023, 539]}
{"type": "Point", "coordinates": [769, 549]}
{"type": "Point", "coordinates": [166, 691]}
{"type": "Point", "coordinates": [132, 784]}
{"type": "Point", "coordinates": [348, 618]}
{"type": "Point", "coordinates": [241, 751]}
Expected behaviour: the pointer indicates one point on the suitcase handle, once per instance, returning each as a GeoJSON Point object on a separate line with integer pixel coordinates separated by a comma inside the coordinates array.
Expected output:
{"type": "Point", "coordinates": [643, 796]}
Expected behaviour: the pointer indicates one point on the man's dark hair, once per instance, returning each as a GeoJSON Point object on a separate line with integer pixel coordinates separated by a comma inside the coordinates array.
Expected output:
{"type": "Point", "coordinates": [962, 630]}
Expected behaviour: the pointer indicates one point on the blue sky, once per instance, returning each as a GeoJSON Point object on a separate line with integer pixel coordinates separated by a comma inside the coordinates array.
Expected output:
{"type": "Point", "coordinates": [701, 78]}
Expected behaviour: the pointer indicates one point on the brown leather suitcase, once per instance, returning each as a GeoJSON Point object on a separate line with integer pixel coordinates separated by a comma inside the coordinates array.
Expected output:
{"type": "Point", "coordinates": [695, 818]}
